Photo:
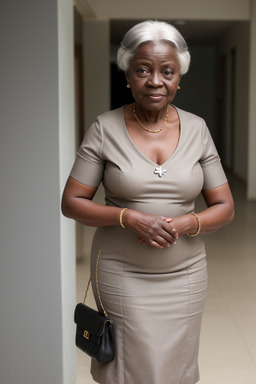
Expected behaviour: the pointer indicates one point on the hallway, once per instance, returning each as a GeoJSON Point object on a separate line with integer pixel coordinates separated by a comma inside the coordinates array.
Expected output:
{"type": "Point", "coordinates": [228, 337]}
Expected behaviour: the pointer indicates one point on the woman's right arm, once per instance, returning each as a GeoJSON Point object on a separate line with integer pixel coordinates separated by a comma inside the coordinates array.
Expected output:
{"type": "Point", "coordinates": [77, 203]}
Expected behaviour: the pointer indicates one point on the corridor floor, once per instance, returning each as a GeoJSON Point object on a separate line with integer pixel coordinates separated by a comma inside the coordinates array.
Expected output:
{"type": "Point", "coordinates": [228, 336]}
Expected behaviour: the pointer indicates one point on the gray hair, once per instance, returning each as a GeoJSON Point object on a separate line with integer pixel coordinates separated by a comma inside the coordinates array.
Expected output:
{"type": "Point", "coordinates": [152, 31]}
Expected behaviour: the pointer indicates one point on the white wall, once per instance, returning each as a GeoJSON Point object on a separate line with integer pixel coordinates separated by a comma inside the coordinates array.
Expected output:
{"type": "Point", "coordinates": [239, 38]}
{"type": "Point", "coordinates": [96, 57]}
{"type": "Point", "coordinates": [251, 192]}
{"type": "Point", "coordinates": [67, 136]}
{"type": "Point", "coordinates": [198, 87]}
{"type": "Point", "coordinates": [196, 9]}
{"type": "Point", "coordinates": [36, 275]}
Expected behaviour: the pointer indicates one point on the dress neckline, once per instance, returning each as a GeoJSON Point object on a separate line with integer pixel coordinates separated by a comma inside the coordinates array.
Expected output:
{"type": "Point", "coordinates": [141, 153]}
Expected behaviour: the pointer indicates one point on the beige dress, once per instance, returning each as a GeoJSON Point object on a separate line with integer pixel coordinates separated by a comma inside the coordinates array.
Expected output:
{"type": "Point", "coordinates": [154, 296]}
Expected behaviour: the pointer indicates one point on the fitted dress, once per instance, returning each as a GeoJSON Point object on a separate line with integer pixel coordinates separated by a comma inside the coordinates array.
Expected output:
{"type": "Point", "coordinates": [155, 297]}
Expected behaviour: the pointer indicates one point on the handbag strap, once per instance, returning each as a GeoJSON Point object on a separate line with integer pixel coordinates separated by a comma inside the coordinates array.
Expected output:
{"type": "Point", "coordinates": [97, 286]}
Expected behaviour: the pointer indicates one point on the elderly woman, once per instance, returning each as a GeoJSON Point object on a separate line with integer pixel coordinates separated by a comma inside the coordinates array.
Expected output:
{"type": "Point", "coordinates": [153, 159]}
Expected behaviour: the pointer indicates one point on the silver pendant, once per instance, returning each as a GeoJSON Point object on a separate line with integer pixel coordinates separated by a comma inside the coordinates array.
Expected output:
{"type": "Point", "coordinates": [159, 171]}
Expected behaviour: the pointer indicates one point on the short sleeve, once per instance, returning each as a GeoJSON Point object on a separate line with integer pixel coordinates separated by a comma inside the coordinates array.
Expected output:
{"type": "Point", "coordinates": [89, 165]}
{"type": "Point", "coordinates": [214, 175]}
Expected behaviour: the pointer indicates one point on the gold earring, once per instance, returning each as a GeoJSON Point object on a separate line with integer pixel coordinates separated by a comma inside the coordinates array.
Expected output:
{"type": "Point", "coordinates": [178, 87]}
{"type": "Point", "coordinates": [128, 86]}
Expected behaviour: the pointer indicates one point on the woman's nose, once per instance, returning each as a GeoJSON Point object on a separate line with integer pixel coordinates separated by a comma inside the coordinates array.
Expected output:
{"type": "Point", "coordinates": [155, 79]}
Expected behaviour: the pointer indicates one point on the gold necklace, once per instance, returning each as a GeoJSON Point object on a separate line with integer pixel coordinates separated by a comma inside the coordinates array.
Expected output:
{"type": "Point", "coordinates": [150, 130]}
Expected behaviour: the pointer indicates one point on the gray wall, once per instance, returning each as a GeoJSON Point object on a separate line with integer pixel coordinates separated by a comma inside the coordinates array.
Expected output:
{"type": "Point", "coordinates": [35, 272]}
{"type": "Point", "coordinates": [175, 9]}
{"type": "Point", "coordinates": [238, 38]}
{"type": "Point", "coordinates": [198, 87]}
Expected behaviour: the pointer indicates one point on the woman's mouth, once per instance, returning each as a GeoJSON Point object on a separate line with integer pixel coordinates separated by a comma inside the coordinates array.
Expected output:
{"type": "Point", "coordinates": [155, 96]}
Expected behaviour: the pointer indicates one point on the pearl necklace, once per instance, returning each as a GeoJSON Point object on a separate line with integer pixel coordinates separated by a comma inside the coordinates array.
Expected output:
{"type": "Point", "coordinates": [150, 130]}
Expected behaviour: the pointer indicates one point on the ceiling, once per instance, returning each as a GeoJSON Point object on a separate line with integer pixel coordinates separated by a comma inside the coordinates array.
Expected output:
{"type": "Point", "coordinates": [195, 32]}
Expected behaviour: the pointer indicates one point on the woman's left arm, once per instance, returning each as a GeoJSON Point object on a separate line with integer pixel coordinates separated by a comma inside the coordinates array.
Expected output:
{"type": "Point", "coordinates": [219, 212]}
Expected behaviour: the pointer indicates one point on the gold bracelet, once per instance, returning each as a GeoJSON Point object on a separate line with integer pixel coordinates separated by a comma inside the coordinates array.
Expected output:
{"type": "Point", "coordinates": [199, 225]}
{"type": "Point", "coordinates": [121, 218]}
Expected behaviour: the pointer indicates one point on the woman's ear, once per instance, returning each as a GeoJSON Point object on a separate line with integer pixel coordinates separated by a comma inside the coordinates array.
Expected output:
{"type": "Point", "coordinates": [179, 82]}
{"type": "Point", "coordinates": [127, 77]}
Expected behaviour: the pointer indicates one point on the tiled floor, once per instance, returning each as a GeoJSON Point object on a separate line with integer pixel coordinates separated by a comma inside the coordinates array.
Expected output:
{"type": "Point", "coordinates": [228, 337]}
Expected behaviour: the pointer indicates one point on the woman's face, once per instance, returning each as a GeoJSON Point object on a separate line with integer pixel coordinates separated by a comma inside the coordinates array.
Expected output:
{"type": "Point", "coordinates": [154, 75]}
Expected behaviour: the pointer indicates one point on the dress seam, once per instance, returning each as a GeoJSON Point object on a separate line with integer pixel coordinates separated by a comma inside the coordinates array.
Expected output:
{"type": "Point", "coordinates": [122, 313]}
{"type": "Point", "coordinates": [102, 137]}
{"type": "Point", "coordinates": [188, 319]}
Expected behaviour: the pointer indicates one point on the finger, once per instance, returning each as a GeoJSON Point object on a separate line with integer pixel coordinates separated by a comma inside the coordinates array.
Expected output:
{"type": "Point", "coordinates": [143, 241]}
{"type": "Point", "coordinates": [164, 240]}
{"type": "Point", "coordinates": [174, 233]}
{"type": "Point", "coordinates": [171, 231]}
{"type": "Point", "coordinates": [155, 244]}
{"type": "Point", "coordinates": [166, 219]}
{"type": "Point", "coordinates": [167, 238]}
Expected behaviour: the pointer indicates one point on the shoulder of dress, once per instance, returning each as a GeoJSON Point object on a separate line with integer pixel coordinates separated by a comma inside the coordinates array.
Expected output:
{"type": "Point", "coordinates": [112, 115]}
{"type": "Point", "coordinates": [191, 122]}
{"type": "Point", "coordinates": [111, 124]}
{"type": "Point", "coordinates": [188, 116]}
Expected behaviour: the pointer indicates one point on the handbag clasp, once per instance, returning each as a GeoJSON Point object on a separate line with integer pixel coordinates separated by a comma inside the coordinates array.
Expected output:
{"type": "Point", "coordinates": [86, 334]}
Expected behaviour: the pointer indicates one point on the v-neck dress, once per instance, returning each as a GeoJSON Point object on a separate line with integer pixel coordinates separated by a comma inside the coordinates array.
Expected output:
{"type": "Point", "coordinates": [155, 297]}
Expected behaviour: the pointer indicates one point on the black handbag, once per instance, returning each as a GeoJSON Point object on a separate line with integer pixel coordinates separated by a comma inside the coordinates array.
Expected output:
{"type": "Point", "coordinates": [94, 330]}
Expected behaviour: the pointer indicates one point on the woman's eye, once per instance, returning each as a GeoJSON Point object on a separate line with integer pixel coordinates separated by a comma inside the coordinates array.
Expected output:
{"type": "Point", "coordinates": [168, 72]}
{"type": "Point", "coordinates": [142, 71]}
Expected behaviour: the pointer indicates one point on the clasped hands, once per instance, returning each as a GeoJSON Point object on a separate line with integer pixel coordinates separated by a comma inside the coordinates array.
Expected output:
{"type": "Point", "coordinates": [157, 231]}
